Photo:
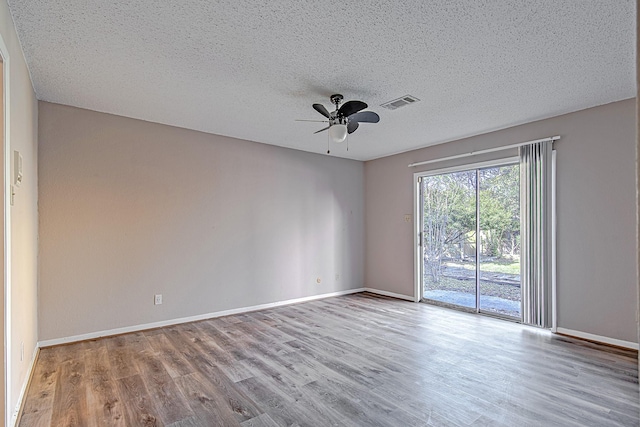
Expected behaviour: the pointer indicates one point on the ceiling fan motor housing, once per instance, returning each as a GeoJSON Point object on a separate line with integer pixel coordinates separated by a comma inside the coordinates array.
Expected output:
{"type": "Point", "coordinates": [336, 118]}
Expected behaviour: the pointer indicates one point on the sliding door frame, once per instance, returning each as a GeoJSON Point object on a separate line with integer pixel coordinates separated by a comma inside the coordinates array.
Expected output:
{"type": "Point", "coordinates": [554, 301]}
{"type": "Point", "coordinates": [417, 209]}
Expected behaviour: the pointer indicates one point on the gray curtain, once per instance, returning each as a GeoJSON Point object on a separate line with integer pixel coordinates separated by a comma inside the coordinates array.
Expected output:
{"type": "Point", "coordinates": [535, 232]}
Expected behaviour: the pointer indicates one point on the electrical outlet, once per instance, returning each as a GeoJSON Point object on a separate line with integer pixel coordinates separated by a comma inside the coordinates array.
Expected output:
{"type": "Point", "coordinates": [407, 218]}
{"type": "Point", "coordinates": [157, 299]}
{"type": "Point", "coordinates": [337, 276]}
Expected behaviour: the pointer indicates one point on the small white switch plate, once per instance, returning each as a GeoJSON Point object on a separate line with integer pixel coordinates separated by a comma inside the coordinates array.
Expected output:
{"type": "Point", "coordinates": [157, 299]}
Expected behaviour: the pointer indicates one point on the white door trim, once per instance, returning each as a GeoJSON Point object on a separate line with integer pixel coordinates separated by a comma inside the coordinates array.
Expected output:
{"type": "Point", "coordinates": [6, 150]}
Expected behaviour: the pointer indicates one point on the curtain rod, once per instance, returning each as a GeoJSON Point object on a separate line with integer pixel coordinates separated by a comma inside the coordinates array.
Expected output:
{"type": "Point", "coordinates": [488, 150]}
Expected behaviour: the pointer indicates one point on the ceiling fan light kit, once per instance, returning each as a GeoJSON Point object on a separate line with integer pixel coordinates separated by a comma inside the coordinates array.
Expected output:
{"type": "Point", "coordinates": [345, 119]}
{"type": "Point", "coordinates": [338, 133]}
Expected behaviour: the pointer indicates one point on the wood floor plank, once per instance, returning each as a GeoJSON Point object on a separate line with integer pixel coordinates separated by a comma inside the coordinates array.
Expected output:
{"type": "Point", "coordinates": [122, 352]}
{"type": "Point", "coordinates": [261, 336]}
{"type": "Point", "coordinates": [263, 420]}
{"type": "Point", "coordinates": [36, 419]}
{"type": "Point", "coordinates": [104, 405]}
{"type": "Point", "coordinates": [346, 400]}
{"type": "Point", "coordinates": [355, 360]}
{"type": "Point", "coordinates": [169, 401]}
{"type": "Point", "coordinates": [39, 398]}
{"type": "Point", "coordinates": [346, 368]}
{"type": "Point", "coordinates": [140, 409]}
{"type": "Point", "coordinates": [263, 395]}
{"type": "Point", "coordinates": [222, 358]}
{"type": "Point", "coordinates": [188, 422]}
{"type": "Point", "coordinates": [69, 404]}
{"type": "Point", "coordinates": [173, 361]}
{"type": "Point", "coordinates": [216, 330]}
{"type": "Point", "coordinates": [289, 409]}
{"type": "Point", "coordinates": [242, 405]}
{"type": "Point", "coordinates": [208, 403]}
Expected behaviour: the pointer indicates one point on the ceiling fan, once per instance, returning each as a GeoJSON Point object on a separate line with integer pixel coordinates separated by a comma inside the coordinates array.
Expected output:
{"type": "Point", "coordinates": [344, 119]}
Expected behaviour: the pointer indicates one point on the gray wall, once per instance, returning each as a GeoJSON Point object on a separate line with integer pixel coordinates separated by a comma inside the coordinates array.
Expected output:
{"type": "Point", "coordinates": [596, 214]}
{"type": "Point", "coordinates": [130, 208]}
{"type": "Point", "coordinates": [23, 110]}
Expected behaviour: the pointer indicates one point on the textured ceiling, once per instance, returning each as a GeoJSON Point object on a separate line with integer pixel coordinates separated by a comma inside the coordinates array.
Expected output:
{"type": "Point", "coordinates": [248, 68]}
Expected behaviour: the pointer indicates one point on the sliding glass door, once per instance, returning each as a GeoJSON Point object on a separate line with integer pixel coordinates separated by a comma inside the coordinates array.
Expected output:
{"type": "Point", "coordinates": [499, 230]}
{"type": "Point", "coordinates": [470, 239]}
{"type": "Point", "coordinates": [449, 238]}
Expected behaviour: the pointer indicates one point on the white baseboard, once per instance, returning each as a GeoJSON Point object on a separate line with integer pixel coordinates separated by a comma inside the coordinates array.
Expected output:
{"type": "Point", "coordinates": [598, 338]}
{"type": "Point", "coordinates": [136, 328]}
{"type": "Point", "coordinates": [390, 294]}
{"type": "Point", "coordinates": [25, 385]}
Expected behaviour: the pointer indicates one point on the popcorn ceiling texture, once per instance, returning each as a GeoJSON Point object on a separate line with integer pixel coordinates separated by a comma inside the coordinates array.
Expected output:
{"type": "Point", "coordinates": [247, 68]}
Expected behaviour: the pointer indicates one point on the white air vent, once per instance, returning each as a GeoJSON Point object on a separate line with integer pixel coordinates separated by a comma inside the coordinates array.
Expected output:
{"type": "Point", "coordinates": [400, 102]}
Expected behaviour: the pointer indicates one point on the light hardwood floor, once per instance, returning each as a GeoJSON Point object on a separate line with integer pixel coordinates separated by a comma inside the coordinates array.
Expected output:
{"type": "Point", "coordinates": [357, 360]}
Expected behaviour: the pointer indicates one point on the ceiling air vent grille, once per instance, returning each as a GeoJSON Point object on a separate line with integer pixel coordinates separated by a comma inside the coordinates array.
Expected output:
{"type": "Point", "coordinates": [400, 102]}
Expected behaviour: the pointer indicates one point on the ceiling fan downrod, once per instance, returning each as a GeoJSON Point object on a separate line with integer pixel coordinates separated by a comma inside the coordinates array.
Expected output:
{"type": "Point", "coordinates": [337, 99]}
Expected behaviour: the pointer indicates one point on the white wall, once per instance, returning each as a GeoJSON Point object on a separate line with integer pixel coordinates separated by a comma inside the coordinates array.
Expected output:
{"type": "Point", "coordinates": [596, 214]}
{"type": "Point", "coordinates": [23, 127]}
{"type": "Point", "coordinates": [129, 209]}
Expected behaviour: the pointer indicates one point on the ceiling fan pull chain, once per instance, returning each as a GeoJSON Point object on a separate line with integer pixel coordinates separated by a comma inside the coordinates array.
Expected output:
{"type": "Point", "coordinates": [328, 138]}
